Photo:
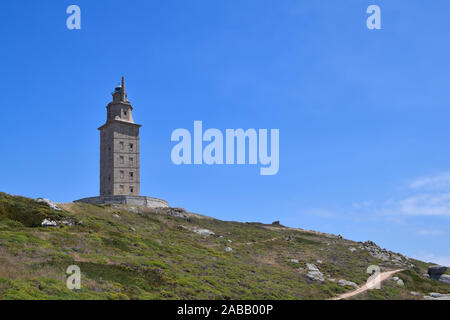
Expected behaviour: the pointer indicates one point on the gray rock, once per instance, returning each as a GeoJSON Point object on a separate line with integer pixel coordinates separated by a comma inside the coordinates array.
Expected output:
{"type": "Point", "coordinates": [204, 232]}
{"type": "Point", "coordinates": [332, 280]}
{"type": "Point", "coordinates": [294, 260]}
{"type": "Point", "coordinates": [345, 283]}
{"type": "Point", "coordinates": [396, 258]}
{"type": "Point", "coordinates": [316, 276]}
{"type": "Point", "coordinates": [415, 293]}
{"type": "Point", "coordinates": [48, 223]}
{"type": "Point", "coordinates": [400, 283]}
{"type": "Point", "coordinates": [436, 270]}
{"type": "Point", "coordinates": [50, 203]}
{"type": "Point", "coordinates": [314, 273]}
{"type": "Point", "coordinates": [352, 249]}
{"type": "Point", "coordinates": [311, 267]}
{"type": "Point", "coordinates": [395, 278]}
{"type": "Point", "coordinates": [437, 296]}
{"type": "Point", "coordinates": [228, 249]}
{"type": "Point", "coordinates": [445, 278]}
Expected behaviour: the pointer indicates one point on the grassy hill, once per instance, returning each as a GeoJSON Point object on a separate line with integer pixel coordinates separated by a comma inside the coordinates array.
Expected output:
{"type": "Point", "coordinates": [137, 253]}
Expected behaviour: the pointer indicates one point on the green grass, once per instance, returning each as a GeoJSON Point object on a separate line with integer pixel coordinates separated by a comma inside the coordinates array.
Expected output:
{"type": "Point", "coordinates": [147, 255]}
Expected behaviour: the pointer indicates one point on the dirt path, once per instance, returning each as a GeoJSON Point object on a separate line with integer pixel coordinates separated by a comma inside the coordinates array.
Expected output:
{"type": "Point", "coordinates": [383, 276]}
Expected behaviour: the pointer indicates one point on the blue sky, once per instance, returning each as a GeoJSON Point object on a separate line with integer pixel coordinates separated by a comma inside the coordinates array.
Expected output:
{"type": "Point", "coordinates": [363, 114]}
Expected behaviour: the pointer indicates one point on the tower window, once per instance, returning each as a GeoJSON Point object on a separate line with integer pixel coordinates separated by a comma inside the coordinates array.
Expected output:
{"type": "Point", "coordinates": [121, 145]}
{"type": "Point", "coordinates": [131, 161]}
{"type": "Point", "coordinates": [131, 189]}
{"type": "Point", "coordinates": [125, 113]}
{"type": "Point", "coordinates": [122, 159]}
{"type": "Point", "coordinates": [131, 175]}
{"type": "Point", "coordinates": [131, 146]}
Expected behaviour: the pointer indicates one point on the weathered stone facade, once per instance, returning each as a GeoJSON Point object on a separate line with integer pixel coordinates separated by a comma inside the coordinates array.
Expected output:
{"type": "Point", "coordinates": [119, 157]}
{"type": "Point", "coordinates": [119, 148]}
{"type": "Point", "coordinates": [128, 200]}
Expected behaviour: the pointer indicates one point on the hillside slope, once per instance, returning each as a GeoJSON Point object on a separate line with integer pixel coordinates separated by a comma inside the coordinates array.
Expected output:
{"type": "Point", "coordinates": [137, 253]}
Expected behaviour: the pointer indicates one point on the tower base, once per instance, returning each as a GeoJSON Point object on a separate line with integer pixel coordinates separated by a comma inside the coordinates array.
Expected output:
{"type": "Point", "coordinates": [128, 200]}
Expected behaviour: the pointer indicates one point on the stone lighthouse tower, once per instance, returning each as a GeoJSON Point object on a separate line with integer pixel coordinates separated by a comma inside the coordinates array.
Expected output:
{"type": "Point", "coordinates": [119, 148]}
{"type": "Point", "coordinates": [119, 156]}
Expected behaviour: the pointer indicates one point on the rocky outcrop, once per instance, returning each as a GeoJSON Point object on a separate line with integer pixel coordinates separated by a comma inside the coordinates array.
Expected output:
{"type": "Point", "coordinates": [437, 296]}
{"type": "Point", "coordinates": [50, 203]}
{"type": "Point", "coordinates": [314, 273]}
{"type": "Point", "coordinates": [204, 232]}
{"type": "Point", "coordinates": [398, 281]}
{"type": "Point", "coordinates": [48, 223]}
{"type": "Point", "coordinates": [384, 255]}
{"type": "Point", "coordinates": [437, 273]}
{"type": "Point", "coordinates": [445, 278]}
{"type": "Point", "coordinates": [175, 212]}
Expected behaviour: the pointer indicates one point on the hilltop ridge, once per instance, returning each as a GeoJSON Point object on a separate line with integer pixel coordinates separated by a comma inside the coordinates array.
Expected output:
{"type": "Point", "coordinates": [128, 252]}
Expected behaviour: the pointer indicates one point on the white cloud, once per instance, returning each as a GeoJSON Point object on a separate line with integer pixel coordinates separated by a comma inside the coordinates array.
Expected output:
{"type": "Point", "coordinates": [421, 205]}
{"type": "Point", "coordinates": [426, 196]}
{"type": "Point", "coordinates": [363, 204]}
{"type": "Point", "coordinates": [430, 232]}
{"type": "Point", "coordinates": [438, 182]}
{"type": "Point", "coordinates": [431, 257]}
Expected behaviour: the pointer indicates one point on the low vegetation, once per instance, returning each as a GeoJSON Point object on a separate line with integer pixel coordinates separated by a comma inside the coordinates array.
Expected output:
{"type": "Point", "coordinates": [137, 253]}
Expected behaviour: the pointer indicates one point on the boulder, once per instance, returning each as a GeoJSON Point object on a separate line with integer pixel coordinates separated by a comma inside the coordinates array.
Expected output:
{"type": "Point", "coordinates": [437, 296]}
{"type": "Point", "coordinates": [204, 232]}
{"type": "Point", "coordinates": [445, 278]}
{"type": "Point", "coordinates": [228, 249]}
{"type": "Point", "coordinates": [436, 270]}
{"type": "Point", "coordinates": [314, 273]}
{"type": "Point", "coordinates": [50, 203]}
{"type": "Point", "coordinates": [48, 223]}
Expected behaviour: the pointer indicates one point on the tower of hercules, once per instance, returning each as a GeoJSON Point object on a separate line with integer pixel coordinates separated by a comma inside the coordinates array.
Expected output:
{"type": "Point", "coordinates": [119, 148]}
